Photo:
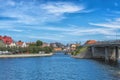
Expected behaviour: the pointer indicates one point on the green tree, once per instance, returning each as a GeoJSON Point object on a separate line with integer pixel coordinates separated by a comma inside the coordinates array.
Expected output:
{"type": "Point", "coordinates": [47, 49]}
{"type": "Point", "coordinates": [39, 43]}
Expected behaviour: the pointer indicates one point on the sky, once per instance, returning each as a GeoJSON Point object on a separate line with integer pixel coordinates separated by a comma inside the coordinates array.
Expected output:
{"type": "Point", "coordinates": [60, 20]}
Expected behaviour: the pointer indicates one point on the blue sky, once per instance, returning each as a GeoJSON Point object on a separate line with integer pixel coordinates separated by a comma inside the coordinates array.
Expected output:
{"type": "Point", "coordinates": [60, 20]}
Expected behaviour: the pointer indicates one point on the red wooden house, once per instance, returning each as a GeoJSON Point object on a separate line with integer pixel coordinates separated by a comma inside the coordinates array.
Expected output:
{"type": "Point", "coordinates": [6, 39]}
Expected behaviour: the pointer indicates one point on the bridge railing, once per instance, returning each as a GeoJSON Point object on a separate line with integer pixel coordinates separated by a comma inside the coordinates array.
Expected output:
{"type": "Point", "coordinates": [108, 42]}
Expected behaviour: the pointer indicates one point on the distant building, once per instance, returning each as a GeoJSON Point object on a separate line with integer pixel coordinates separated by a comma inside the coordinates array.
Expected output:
{"type": "Point", "coordinates": [6, 39]}
{"type": "Point", "coordinates": [12, 44]}
{"type": "Point", "coordinates": [24, 44]}
{"type": "Point", "coordinates": [90, 42]}
{"type": "Point", "coordinates": [53, 45]}
{"type": "Point", "coordinates": [57, 49]}
{"type": "Point", "coordinates": [45, 45]}
{"type": "Point", "coordinates": [27, 44]}
{"type": "Point", "coordinates": [57, 45]}
{"type": "Point", "coordinates": [73, 47]}
{"type": "Point", "coordinates": [21, 44]}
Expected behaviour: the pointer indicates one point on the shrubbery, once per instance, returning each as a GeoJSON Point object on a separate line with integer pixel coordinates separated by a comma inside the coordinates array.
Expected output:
{"type": "Point", "coordinates": [30, 49]}
{"type": "Point", "coordinates": [79, 50]}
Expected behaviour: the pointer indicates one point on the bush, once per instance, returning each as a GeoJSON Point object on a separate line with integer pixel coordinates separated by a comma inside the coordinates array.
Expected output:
{"type": "Point", "coordinates": [79, 50]}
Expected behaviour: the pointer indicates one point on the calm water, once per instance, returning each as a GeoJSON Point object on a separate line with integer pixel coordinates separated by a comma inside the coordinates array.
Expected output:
{"type": "Point", "coordinates": [57, 67]}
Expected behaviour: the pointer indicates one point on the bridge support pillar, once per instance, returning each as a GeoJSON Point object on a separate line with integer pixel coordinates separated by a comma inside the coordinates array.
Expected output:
{"type": "Point", "coordinates": [106, 55]}
{"type": "Point", "coordinates": [93, 51]}
{"type": "Point", "coordinates": [116, 54]}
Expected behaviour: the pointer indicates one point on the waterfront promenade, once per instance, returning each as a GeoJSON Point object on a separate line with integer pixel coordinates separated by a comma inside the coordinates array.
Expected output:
{"type": "Point", "coordinates": [25, 55]}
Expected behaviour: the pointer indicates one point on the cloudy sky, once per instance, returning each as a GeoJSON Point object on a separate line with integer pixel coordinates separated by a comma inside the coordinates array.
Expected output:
{"type": "Point", "coordinates": [60, 20]}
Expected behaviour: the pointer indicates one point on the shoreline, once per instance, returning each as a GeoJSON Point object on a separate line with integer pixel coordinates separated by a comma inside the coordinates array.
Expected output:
{"type": "Point", "coordinates": [25, 55]}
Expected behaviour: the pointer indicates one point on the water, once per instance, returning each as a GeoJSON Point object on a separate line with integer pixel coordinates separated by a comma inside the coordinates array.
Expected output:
{"type": "Point", "coordinates": [57, 67]}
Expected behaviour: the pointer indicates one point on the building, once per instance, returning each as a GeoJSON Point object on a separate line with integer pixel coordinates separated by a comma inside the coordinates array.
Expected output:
{"type": "Point", "coordinates": [21, 44]}
{"type": "Point", "coordinates": [24, 45]}
{"type": "Point", "coordinates": [57, 49]}
{"type": "Point", "coordinates": [6, 39]}
{"type": "Point", "coordinates": [45, 45]}
{"type": "Point", "coordinates": [57, 44]}
{"type": "Point", "coordinates": [53, 45]}
{"type": "Point", "coordinates": [73, 47]}
{"type": "Point", "coordinates": [12, 44]}
{"type": "Point", "coordinates": [90, 42]}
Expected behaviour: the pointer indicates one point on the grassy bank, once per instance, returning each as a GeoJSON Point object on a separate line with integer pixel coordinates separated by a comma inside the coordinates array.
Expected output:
{"type": "Point", "coordinates": [79, 50]}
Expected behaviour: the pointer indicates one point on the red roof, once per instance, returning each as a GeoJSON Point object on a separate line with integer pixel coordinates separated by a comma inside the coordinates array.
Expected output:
{"type": "Point", "coordinates": [19, 43]}
{"type": "Point", "coordinates": [6, 39]}
{"type": "Point", "coordinates": [91, 42]}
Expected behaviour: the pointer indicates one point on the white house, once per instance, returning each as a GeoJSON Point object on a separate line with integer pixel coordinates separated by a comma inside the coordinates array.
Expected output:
{"type": "Point", "coordinates": [24, 44]}
{"type": "Point", "coordinates": [12, 45]}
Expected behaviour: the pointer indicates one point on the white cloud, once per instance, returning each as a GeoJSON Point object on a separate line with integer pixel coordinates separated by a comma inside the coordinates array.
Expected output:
{"type": "Point", "coordinates": [114, 24]}
{"type": "Point", "coordinates": [61, 8]}
{"type": "Point", "coordinates": [95, 31]}
{"type": "Point", "coordinates": [88, 11]}
{"type": "Point", "coordinates": [5, 3]}
{"type": "Point", "coordinates": [47, 36]}
{"type": "Point", "coordinates": [30, 13]}
{"type": "Point", "coordinates": [15, 30]}
{"type": "Point", "coordinates": [11, 3]}
{"type": "Point", "coordinates": [78, 30]}
{"type": "Point", "coordinates": [27, 13]}
{"type": "Point", "coordinates": [5, 25]}
{"type": "Point", "coordinates": [54, 28]}
{"type": "Point", "coordinates": [44, 37]}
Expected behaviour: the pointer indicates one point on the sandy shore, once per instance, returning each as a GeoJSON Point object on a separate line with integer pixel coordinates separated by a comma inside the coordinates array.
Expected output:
{"type": "Point", "coordinates": [24, 55]}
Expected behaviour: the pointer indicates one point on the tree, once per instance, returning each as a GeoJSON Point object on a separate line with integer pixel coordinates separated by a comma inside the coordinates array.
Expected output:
{"type": "Point", "coordinates": [47, 49]}
{"type": "Point", "coordinates": [2, 43]}
{"type": "Point", "coordinates": [39, 43]}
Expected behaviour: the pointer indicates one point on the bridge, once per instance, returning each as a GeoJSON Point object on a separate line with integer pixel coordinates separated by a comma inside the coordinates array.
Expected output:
{"type": "Point", "coordinates": [107, 50]}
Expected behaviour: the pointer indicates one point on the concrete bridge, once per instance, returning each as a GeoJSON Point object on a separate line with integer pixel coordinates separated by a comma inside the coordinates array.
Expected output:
{"type": "Point", "coordinates": [107, 50]}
